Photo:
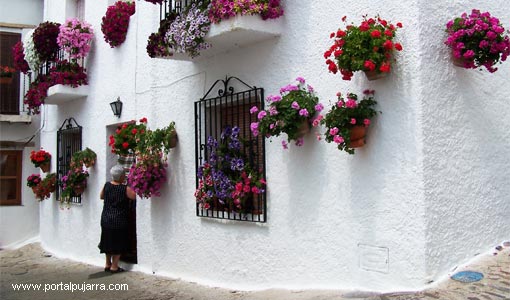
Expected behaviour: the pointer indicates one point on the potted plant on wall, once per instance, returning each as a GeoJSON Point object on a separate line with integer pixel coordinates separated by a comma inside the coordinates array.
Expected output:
{"type": "Point", "coordinates": [6, 74]}
{"type": "Point", "coordinates": [47, 186]}
{"type": "Point", "coordinates": [290, 112]}
{"type": "Point", "coordinates": [75, 37]}
{"type": "Point", "coordinates": [73, 183]}
{"type": "Point", "coordinates": [227, 179]}
{"type": "Point", "coordinates": [123, 142]}
{"type": "Point", "coordinates": [148, 175]}
{"type": "Point", "coordinates": [41, 159]}
{"type": "Point", "coordinates": [33, 181]}
{"type": "Point", "coordinates": [477, 40]}
{"type": "Point", "coordinates": [367, 47]}
{"type": "Point", "coordinates": [85, 158]}
{"type": "Point", "coordinates": [224, 9]}
{"type": "Point", "coordinates": [115, 23]}
{"type": "Point", "coordinates": [347, 120]}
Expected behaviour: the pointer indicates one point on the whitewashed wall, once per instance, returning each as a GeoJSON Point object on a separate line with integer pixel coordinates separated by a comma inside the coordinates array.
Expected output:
{"type": "Point", "coordinates": [19, 223]}
{"type": "Point", "coordinates": [324, 206]}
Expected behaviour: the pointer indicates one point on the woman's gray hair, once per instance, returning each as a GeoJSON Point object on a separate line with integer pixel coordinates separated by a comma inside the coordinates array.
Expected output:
{"type": "Point", "coordinates": [117, 172]}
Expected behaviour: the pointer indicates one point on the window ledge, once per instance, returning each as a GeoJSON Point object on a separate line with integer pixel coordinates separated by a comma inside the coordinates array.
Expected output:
{"type": "Point", "coordinates": [59, 94]}
{"type": "Point", "coordinates": [234, 33]}
{"type": "Point", "coordinates": [16, 118]}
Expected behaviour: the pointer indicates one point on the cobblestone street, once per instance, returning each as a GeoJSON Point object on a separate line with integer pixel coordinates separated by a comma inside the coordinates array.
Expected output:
{"type": "Point", "coordinates": [31, 264]}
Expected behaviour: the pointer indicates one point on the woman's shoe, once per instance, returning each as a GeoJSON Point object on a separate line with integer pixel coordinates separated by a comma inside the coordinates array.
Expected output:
{"type": "Point", "coordinates": [119, 270]}
{"type": "Point", "coordinates": [107, 269]}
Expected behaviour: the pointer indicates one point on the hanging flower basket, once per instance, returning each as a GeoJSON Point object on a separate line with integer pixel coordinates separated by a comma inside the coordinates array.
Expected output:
{"type": "Point", "coordinates": [173, 139]}
{"type": "Point", "coordinates": [78, 190]}
{"type": "Point", "coordinates": [358, 134]}
{"type": "Point", "coordinates": [45, 167]}
{"type": "Point", "coordinates": [374, 75]}
{"type": "Point", "coordinates": [5, 80]}
{"type": "Point", "coordinates": [303, 129]}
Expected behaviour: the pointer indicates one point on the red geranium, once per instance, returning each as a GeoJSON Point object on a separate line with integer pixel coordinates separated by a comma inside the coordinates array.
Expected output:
{"type": "Point", "coordinates": [126, 137]}
{"type": "Point", "coordinates": [40, 157]}
{"type": "Point", "coordinates": [363, 47]}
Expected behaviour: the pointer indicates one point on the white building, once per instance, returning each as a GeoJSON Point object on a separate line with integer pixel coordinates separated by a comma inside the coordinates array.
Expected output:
{"type": "Point", "coordinates": [427, 192]}
{"type": "Point", "coordinates": [19, 132]}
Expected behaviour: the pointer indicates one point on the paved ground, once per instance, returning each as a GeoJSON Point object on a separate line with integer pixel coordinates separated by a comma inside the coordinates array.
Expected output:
{"type": "Point", "coordinates": [30, 264]}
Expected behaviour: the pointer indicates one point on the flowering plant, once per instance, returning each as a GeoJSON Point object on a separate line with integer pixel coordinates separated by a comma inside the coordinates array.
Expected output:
{"type": "Point", "coordinates": [224, 9]}
{"type": "Point", "coordinates": [75, 37]}
{"type": "Point", "coordinates": [40, 157]}
{"type": "Point", "coordinates": [19, 58]}
{"type": "Point", "coordinates": [186, 33]}
{"type": "Point", "coordinates": [148, 175]}
{"type": "Point", "coordinates": [75, 179]}
{"type": "Point", "coordinates": [33, 180]}
{"type": "Point", "coordinates": [6, 71]}
{"type": "Point", "coordinates": [157, 45]}
{"type": "Point", "coordinates": [116, 22]}
{"type": "Point", "coordinates": [82, 158]}
{"type": "Point", "coordinates": [68, 73]}
{"type": "Point", "coordinates": [45, 40]}
{"type": "Point", "coordinates": [31, 54]}
{"type": "Point", "coordinates": [478, 39]}
{"type": "Point", "coordinates": [226, 176]}
{"type": "Point", "coordinates": [47, 186]}
{"type": "Point", "coordinates": [127, 135]}
{"type": "Point", "coordinates": [346, 114]}
{"type": "Point", "coordinates": [155, 142]}
{"type": "Point", "coordinates": [367, 47]}
{"type": "Point", "coordinates": [290, 113]}
{"type": "Point", "coordinates": [37, 92]}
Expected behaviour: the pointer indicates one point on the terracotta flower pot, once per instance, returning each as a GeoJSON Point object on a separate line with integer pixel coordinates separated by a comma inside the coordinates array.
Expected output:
{"type": "Point", "coordinates": [459, 62]}
{"type": "Point", "coordinates": [358, 134]}
{"type": "Point", "coordinates": [303, 129]}
{"type": "Point", "coordinates": [173, 139]}
{"type": "Point", "coordinates": [45, 167]}
{"type": "Point", "coordinates": [78, 190]}
{"type": "Point", "coordinates": [374, 75]}
{"type": "Point", "coordinates": [34, 189]}
{"type": "Point", "coordinates": [5, 80]}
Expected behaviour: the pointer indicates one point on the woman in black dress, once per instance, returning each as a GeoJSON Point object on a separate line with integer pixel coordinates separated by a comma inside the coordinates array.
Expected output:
{"type": "Point", "coordinates": [114, 219]}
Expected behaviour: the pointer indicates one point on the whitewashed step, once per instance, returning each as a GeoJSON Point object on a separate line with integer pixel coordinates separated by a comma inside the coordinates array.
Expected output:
{"type": "Point", "coordinates": [60, 93]}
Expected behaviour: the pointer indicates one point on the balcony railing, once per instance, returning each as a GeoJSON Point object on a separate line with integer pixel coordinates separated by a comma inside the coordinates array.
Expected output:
{"type": "Point", "coordinates": [176, 6]}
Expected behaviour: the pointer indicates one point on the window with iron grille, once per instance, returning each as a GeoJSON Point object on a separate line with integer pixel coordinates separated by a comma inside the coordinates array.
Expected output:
{"type": "Point", "coordinates": [212, 116]}
{"type": "Point", "coordinates": [68, 142]}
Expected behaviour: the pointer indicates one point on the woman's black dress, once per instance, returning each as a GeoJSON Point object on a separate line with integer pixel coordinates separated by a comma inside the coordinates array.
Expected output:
{"type": "Point", "coordinates": [114, 220]}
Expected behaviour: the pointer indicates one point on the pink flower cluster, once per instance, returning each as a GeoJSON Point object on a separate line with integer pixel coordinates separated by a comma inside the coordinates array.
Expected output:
{"type": "Point", "coordinates": [75, 37]}
{"type": "Point", "coordinates": [287, 112]}
{"type": "Point", "coordinates": [116, 22]}
{"type": "Point", "coordinates": [146, 179]}
{"type": "Point", "coordinates": [478, 39]}
{"type": "Point", "coordinates": [224, 9]}
{"type": "Point", "coordinates": [19, 58]}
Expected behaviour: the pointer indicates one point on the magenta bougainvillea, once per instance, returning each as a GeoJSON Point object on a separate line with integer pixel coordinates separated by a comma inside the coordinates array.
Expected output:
{"type": "Point", "coordinates": [19, 58]}
{"type": "Point", "coordinates": [36, 94]}
{"type": "Point", "coordinates": [116, 22]}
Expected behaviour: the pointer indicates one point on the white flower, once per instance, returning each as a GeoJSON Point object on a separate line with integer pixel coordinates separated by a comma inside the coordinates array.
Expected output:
{"type": "Point", "coordinates": [31, 55]}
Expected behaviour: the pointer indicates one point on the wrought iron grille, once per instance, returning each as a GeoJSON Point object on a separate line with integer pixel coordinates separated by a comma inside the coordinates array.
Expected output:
{"type": "Point", "coordinates": [176, 6]}
{"type": "Point", "coordinates": [212, 116]}
{"type": "Point", "coordinates": [68, 142]}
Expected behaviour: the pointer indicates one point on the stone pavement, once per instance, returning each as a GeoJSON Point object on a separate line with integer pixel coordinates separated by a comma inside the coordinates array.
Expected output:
{"type": "Point", "coordinates": [30, 264]}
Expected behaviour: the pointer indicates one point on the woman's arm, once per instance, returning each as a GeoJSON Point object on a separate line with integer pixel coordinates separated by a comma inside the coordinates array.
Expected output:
{"type": "Point", "coordinates": [130, 193]}
{"type": "Point", "coordinates": [102, 194]}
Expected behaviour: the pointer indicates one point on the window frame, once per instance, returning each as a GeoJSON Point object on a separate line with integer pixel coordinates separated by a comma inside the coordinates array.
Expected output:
{"type": "Point", "coordinates": [19, 166]}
